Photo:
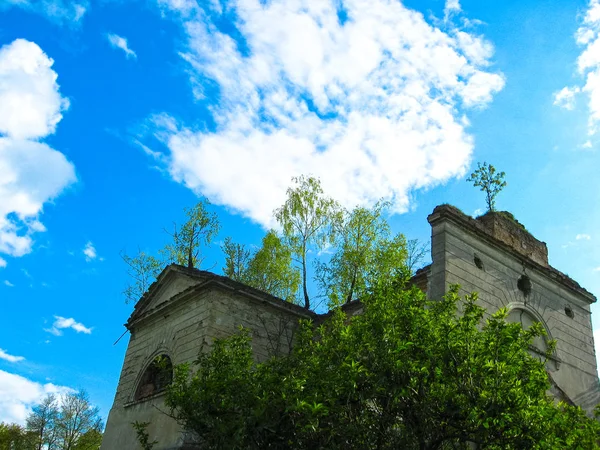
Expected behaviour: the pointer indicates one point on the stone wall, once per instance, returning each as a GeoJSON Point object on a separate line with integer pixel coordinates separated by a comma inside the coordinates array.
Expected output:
{"type": "Point", "coordinates": [179, 327]}
{"type": "Point", "coordinates": [493, 255]}
{"type": "Point", "coordinates": [467, 254]}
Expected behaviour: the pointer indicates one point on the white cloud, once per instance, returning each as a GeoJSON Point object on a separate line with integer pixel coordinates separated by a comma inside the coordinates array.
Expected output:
{"type": "Point", "coordinates": [583, 236]}
{"type": "Point", "coordinates": [451, 7]}
{"type": "Point", "coordinates": [19, 394]}
{"type": "Point", "coordinates": [183, 7]}
{"type": "Point", "coordinates": [117, 41]}
{"type": "Point", "coordinates": [62, 323]}
{"type": "Point", "coordinates": [565, 98]}
{"type": "Point", "coordinates": [8, 283]}
{"type": "Point", "coordinates": [30, 104]}
{"type": "Point", "coordinates": [3, 263]}
{"type": "Point", "coordinates": [90, 252]}
{"type": "Point", "coordinates": [375, 107]}
{"type": "Point", "coordinates": [588, 66]}
{"type": "Point", "coordinates": [596, 269]}
{"type": "Point", "coordinates": [10, 358]}
{"type": "Point", "coordinates": [31, 172]}
{"type": "Point", "coordinates": [58, 11]}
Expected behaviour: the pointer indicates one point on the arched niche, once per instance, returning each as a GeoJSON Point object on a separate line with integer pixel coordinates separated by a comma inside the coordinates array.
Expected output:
{"type": "Point", "coordinates": [520, 313]}
{"type": "Point", "coordinates": [156, 377]}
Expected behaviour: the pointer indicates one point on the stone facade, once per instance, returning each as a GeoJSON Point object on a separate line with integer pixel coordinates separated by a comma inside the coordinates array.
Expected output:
{"type": "Point", "coordinates": [186, 308]}
{"type": "Point", "coordinates": [496, 257]}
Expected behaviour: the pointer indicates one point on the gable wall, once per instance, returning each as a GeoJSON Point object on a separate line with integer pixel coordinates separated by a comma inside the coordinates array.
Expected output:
{"type": "Point", "coordinates": [180, 331]}
{"type": "Point", "coordinates": [453, 251]}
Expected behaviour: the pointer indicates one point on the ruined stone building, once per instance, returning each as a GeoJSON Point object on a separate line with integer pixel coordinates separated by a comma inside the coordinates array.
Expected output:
{"type": "Point", "coordinates": [493, 255]}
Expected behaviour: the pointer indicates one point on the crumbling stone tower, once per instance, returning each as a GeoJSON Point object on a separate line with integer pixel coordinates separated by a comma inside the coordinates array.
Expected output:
{"type": "Point", "coordinates": [497, 257]}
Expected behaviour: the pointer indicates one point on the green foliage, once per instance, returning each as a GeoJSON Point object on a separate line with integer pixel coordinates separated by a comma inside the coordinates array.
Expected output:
{"type": "Point", "coordinates": [489, 181]}
{"type": "Point", "coordinates": [236, 260]}
{"type": "Point", "coordinates": [15, 437]}
{"type": "Point", "coordinates": [76, 418]}
{"type": "Point", "coordinates": [271, 270]}
{"type": "Point", "coordinates": [416, 252]}
{"type": "Point", "coordinates": [142, 270]}
{"type": "Point", "coordinates": [69, 424]}
{"type": "Point", "coordinates": [363, 250]}
{"type": "Point", "coordinates": [42, 422]}
{"type": "Point", "coordinates": [406, 373]}
{"type": "Point", "coordinates": [198, 230]}
{"type": "Point", "coordinates": [142, 435]}
{"type": "Point", "coordinates": [90, 440]}
{"type": "Point", "coordinates": [308, 219]}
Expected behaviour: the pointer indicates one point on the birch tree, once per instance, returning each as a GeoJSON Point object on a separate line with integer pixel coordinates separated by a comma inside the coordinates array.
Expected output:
{"type": "Point", "coordinates": [308, 219]}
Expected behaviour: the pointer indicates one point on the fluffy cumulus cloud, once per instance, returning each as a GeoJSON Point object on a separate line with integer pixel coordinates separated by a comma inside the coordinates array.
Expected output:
{"type": "Point", "coordinates": [10, 358]}
{"type": "Point", "coordinates": [367, 95]}
{"type": "Point", "coordinates": [19, 394]}
{"type": "Point", "coordinates": [588, 66]}
{"type": "Point", "coordinates": [59, 11]}
{"type": "Point", "coordinates": [61, 323]}
{"type": "Point", "coordinates": [31, 172]}
{"type": "Point", "coordinates": [120, 42]}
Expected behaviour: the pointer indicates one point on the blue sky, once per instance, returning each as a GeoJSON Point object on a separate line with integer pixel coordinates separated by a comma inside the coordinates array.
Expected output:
{"type": "Point", "coordinates": [115, 115]}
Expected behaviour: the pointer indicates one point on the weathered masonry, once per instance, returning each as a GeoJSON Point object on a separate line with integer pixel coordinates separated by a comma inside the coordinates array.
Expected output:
{"type": "Point", "coordinates": [493, 255]}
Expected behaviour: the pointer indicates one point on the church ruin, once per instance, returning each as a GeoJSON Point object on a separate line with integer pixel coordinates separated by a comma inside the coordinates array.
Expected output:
{"type": "Point", "coordinates": [493, 255]}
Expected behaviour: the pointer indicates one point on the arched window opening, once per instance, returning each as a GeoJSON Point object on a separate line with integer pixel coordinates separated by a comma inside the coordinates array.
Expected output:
{"type": "Point", "coordinates": [526, 319]}
{"type": "Point", "coordinates": [157, 376]}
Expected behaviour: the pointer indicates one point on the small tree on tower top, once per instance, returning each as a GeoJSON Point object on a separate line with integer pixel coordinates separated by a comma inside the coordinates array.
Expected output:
{"type": "Point", "coordinates": [487, 179]}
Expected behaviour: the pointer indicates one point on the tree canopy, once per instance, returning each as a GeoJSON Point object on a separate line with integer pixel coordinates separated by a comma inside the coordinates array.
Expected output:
{"type": "Point", "coordinates": [68, 422]}
{"type": "Point", "coordinates": [404, 373]}
{"type": "Point", "coordinates": [308, 219]}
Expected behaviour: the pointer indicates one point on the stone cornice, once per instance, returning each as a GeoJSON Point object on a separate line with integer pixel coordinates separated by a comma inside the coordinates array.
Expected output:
{"type": "Point", "coordinates": [450, 213]}
{"type": "Point", "coordinates": [206, 281]}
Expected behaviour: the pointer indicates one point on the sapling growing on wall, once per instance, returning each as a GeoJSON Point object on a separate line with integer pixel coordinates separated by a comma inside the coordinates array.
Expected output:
{"type": "Point", "coordinates": [199, 230]}
{"type": "Point", "coordinates": [488, 180]}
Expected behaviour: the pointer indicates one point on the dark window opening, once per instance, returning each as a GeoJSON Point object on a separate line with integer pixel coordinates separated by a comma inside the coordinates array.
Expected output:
{"type": "Point", "coordinates": [156, 378]}
{"type": "Point", "coordinates": [524, 285]}
{"type": "Point", "coordinates": [569, 312]}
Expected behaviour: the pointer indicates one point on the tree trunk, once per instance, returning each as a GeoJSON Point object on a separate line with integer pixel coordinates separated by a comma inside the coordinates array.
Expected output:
{"type": "Point", "coordinates": [305, 290]}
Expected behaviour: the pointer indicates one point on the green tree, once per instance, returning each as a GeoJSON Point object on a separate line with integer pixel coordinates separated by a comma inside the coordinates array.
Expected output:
{"type": "Point", "coordinates": [15, 437]}
{"type": "Point", "coordinates": [489, 181]}
{"type": "Point", "coordinates": [142, 270]}
{"type": "Point", "coordinates": [416, 252]}
{"type": "Point", "coordinates": [308, 220]}
{"type": "Point", "coordinates": [405, 373]}
{"type": "Point", "coordinates": [270, 269]}
{"type": "Point", "coordinates": [198, 230]}
{"type": "Point", "coordinates": [237, 257]}
{"type": "Point", "coordinates": [359, 238]}
{"type": "Point", "coordinates": [143, 436]}
{"type": "Point", "coordinates": [41, 422]}
{"type": "Point", "coordinates": [76, 420]}
{"type": "Point", "coordinates": [90, 440]}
